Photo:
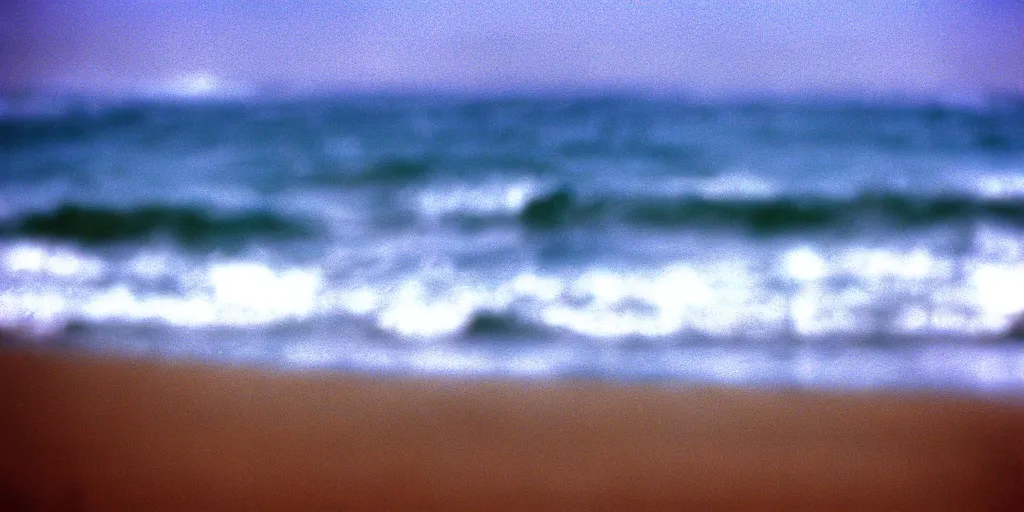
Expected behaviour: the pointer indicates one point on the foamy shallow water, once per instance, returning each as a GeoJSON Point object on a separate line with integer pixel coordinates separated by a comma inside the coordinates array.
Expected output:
{"type": "Point", "coordinates": [802, 293]}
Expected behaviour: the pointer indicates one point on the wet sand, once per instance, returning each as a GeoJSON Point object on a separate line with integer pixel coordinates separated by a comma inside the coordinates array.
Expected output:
{"type": "Point", "coordinates": [84, 432]}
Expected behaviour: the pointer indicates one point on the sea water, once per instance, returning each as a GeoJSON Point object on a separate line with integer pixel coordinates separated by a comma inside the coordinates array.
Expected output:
{"type": "Point", "coordinates": [794, 243]}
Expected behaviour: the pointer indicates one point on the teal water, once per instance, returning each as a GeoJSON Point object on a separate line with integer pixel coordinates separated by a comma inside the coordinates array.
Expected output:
{"type": "Point", "coordinates": [787, 243]}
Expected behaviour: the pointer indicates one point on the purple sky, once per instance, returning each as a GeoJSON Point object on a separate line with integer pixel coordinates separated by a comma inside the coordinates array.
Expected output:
{"type": "Point", "coordinates": [929, 48]}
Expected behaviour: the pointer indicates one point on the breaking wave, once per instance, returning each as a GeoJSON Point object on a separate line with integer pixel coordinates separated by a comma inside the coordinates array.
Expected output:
{"type": "Point", "coordinates": [857, 293]}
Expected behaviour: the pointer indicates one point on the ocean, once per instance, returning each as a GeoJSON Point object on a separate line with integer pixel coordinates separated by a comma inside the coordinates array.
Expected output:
{"type": "Point", "coordinates": [807, 244]}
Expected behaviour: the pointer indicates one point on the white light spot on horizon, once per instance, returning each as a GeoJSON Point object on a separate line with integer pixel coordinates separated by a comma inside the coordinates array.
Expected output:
{"type": "Point", "coordinates": [195, 85]}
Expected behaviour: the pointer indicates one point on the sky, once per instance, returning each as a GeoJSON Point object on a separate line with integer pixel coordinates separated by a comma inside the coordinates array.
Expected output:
{"type": "Point", "coordinates": [757, 47]}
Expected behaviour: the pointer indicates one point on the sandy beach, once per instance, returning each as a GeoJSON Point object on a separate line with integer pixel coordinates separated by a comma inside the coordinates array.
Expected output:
{"type": "Point", "coordinates": [85, 432]}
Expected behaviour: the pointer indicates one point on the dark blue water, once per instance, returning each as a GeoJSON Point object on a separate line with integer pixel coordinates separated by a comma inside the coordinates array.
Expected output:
{"type": "Point", "coordinates": [816, 243]}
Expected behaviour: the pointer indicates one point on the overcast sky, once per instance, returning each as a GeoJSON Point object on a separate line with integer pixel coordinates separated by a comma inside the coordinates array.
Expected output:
{"type": "Point", "coordinates": [899, 47]}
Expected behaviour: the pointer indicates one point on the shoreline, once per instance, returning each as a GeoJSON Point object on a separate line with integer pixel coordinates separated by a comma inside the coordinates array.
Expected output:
{"type": "Point", "coordinates": [94, 432]}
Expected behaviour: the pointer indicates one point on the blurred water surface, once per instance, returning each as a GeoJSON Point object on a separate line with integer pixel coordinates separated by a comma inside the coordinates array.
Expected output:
{"type": "Point", "coordinates": [796, 243]}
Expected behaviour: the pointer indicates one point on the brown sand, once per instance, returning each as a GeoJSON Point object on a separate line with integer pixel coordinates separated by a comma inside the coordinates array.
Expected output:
{"type": "Point", "coordinates": [87, 433]}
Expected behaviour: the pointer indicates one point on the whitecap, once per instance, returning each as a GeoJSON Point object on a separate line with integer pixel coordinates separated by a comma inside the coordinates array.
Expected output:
{"type": "Point", "coordinates": [1001, 186]}
{"type": "Point", "coordinates": [55, 261]}
{"type": "Point", "coordinates": [475, 200]}
{"type": "Point", "coordinates": [737, 185]}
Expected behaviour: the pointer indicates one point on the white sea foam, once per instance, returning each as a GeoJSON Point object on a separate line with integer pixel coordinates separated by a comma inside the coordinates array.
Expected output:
{"type": "Point", "coordinates": [483, 199]}
{"type": "Point", "coordinates": [999, 292]}
{"type": "Point", "coordinates": [414, 313]}
{"type": "Point", "coordinates": [856, 291]}
{"type": "Point", "coordinates": [50, 286]}
{"type": "Point", "coordinates": [262, 292]}
{"type": "Point", "coordinates": [980, 368]}
{"type": "Point", "coordinates": [804, 264]}
{"type": "Point", "coordinates": [449, 362]}
{"type": "Point", "coordinates": [34, 310]}
{"type": "Point", "coordinates": [150, 265]}
{"type": "Point", "coordinates": [1001, 186]}
{"type": "Point", "coordinates": [737, 185]}
{"type": "Point", "coordinates": [996, 243]}
{"type": "Point", "coordinates": [51, 260]}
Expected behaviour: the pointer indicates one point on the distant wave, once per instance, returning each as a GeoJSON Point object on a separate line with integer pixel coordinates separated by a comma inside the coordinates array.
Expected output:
{"type": "Point", "coordinates": [97, 225]}
{"type": "Point", "coordinates": [391, 171]}
{"type": "Point", "coordinates": [765, 216]}
{"type": "Point", "coordinates": [385, 172]}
